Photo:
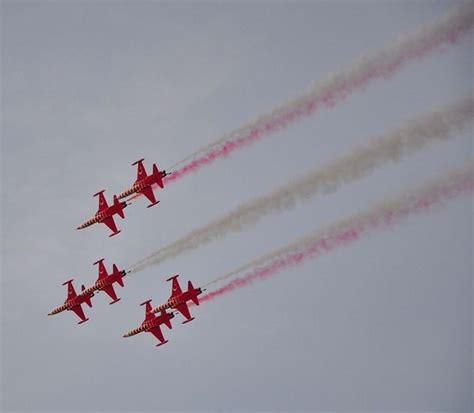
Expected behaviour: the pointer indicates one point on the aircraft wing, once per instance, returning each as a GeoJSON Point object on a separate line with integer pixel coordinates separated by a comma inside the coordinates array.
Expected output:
{"type": "Point", "coordinates": [102, 270]}
{"type": "Point", "coordinates": [148, 192]}
{"type": "Point", "coordinates": [109, 290]}
{"type": "Point", "coordinates": [79, 312]}
{"type": "Point", "coordinates": [141, 173]}
{"type": "Point", "coordinates": [184, 310]}
{"type": "Point", "coordinates": [117, 275]}
{"type": "Point", "coordinates": [175, 288]}
{"type": "Point", "coordinates": [109, 221]}
{"type": "Point", "coordinates": [148, 314]}
{"type": "Point", "coordinates": [156, 331]}
{"type": "Point", "coordinates": [71, 292]}
{"type": "Point", "coordinates": [102, 202]}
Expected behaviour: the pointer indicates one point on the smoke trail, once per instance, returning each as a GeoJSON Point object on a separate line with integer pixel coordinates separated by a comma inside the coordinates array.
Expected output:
{"type": "Point", "coordinates": [411, 137]}
{"type": "Point", "coordinates": [382, 64]}
{"type": "Point", "coordinates": [346, 231]}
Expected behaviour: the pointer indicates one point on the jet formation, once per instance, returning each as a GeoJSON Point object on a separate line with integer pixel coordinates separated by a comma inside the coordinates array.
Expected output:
{"type": "Point", "coordinates": [142, 185]}
{"type": "Point", "coordinates": [177, 302]}
{"type": "Point", "coordinates": [104, 283]}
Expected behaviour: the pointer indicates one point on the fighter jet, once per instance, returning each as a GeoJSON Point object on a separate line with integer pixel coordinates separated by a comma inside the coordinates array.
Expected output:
{"type": "Point", "coordinates": [152, 323]}
{"type": "Point", "coordinates": [144, 183]}
{"type": "Point", "coordinates": [73, 302]}
{"type": "Point", "coordinates": [105, 282]}
{"type": "Point", "coordinates": [105, 214]}
{"type": "Point", "coordinates": [178, 299]}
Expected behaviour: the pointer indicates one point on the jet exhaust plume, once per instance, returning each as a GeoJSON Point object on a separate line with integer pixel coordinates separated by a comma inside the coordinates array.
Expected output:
{"type": "Point", "coordinates": [361, 161]}
{"type": "Point", "coordinates": [344, 232]}
{"type": "Point", "coordinates": [448, 29]}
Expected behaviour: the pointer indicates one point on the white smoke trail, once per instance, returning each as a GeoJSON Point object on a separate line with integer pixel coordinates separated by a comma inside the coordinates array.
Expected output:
{"type": "Point", "coordinates": [361, 161]}
{"type": "Point", "coordinates": [384, 213]}
{"type": "Point", "coordinates": [381, 64]}
{"type": "Point", "coordinates": [345, 232]}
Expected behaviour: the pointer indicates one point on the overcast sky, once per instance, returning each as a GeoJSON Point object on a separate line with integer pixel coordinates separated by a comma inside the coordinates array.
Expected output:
{"type": "Point", "coordinates": [90, 87]}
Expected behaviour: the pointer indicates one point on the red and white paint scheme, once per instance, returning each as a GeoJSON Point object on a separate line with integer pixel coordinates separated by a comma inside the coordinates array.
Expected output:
{"type": "Point", "coordinates": [143, 184]}
{"type": "Point", "coordinates": [178, 299]}
{"type": "Point", "coordinates": [105, 213]}
{"type": "Point", "coordinates": [152, 323]}
{"type": "Point", "coordinates": [105, 281]}
{"type": "Point", "coordinates": [73, 302]}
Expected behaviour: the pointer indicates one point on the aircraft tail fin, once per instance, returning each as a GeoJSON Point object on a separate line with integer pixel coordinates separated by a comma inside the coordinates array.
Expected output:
{"type": "Point", "coordinates": [115, 270]}
{"type": "Point", "coordinates": [119, 207]}
{"type": "Point", "coordinates": [157, 176]}
{"type": "Point", "coordinates": [87, 299]}
{"type": "Point", "coordinates": [167, 318]}
{"type": "Point", "coordinates": [194, 299]}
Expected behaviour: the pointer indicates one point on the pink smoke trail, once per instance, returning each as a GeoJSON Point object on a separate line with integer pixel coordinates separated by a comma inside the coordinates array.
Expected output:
{"type": "Point", "coordinates": [383, 64]}
{"type": "Point", "coordinates": [384, 219]}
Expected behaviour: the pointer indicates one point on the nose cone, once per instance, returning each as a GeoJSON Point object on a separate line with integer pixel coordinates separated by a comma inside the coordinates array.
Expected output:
{"type": "Point", "coordinates": [53, 312]}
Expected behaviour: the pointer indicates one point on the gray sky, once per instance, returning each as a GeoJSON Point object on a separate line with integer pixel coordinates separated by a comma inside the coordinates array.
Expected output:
{"type": "Point", "coordinates": [89, 87]}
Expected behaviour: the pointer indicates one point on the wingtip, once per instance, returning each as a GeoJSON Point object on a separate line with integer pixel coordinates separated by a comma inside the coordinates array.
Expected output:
{"type": "Point", "coordinates": [153, 204]}
{"type": "Point", "coordinates": [98, 193]}
{"type": "Point", "coordinates": [115, 233]}
{"type": "Point", "coordinates": [136, 162]}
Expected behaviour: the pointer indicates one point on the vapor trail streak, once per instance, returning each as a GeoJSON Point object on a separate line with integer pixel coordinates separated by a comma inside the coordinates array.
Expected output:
{"type": "Point", "coordinates": [361, 161]}
{"type": "Point", "coordinates": [382, 64]}
{"type": "Point", "coordinates": [342, 233]}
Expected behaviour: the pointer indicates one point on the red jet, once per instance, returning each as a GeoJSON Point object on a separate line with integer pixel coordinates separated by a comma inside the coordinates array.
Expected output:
{"type": "Point", "coordinates": [143, 183]}
{"type": "Point", "coordinates": [105, 282]}
{"type": "Point", "coordinates": [105, 214]}
{"type": "Point", "coordinates": [178, 299]}
{"type": "Point", "coordinates": [73, 302]}
{"type": "Point", "coordinates": [152, 323]}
